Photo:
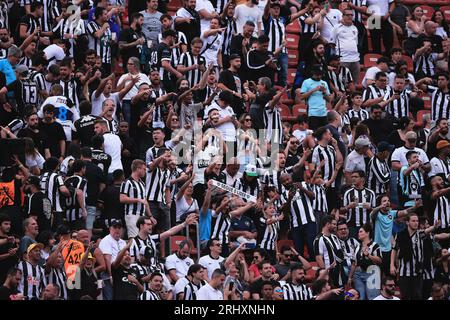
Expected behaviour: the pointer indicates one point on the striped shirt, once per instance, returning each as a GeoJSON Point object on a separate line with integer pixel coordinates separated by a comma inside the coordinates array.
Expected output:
{"type": "Point", "coordinates": [59, 277]}
{"type": "Point", "coordinates": [136, 190]}
{"type": "Point", "coordinates": [149, 295]}
{"type": "Point", "coordinates": [25, 61]}
{"type": "Point", "coordinates": [273, 178]}
{"type": "Point", "coordinates": [425, 65]}
{"type": "Point", "coordinates": [150, 243]}
{"type": "Point", "coordinates": [373, 92]}
{"type": "Point", "coordinates": [378, 176]}
{"type": "Point", "coordinates": [33, 280]}
{"type": "Point", "coordinates": [442, 211]}
{"type": "Point", "coordinates": [307, 28]}
{"type": "Point", "coordinates": [156, 183]}
{"type": "Point", "coordinates": [275, 29]}
{"type": "Point", "coordinates": [50, 184]}
{"type": "Point", "coordinates": [409, 268]}
{"type": "Point", "coordinates": [297, 292]}
{"type": "Point", "coordinates": [439, 166]}
{"type": "Point", "coordinates": [231, 30]}
{"type": "Point", "coordinates": [328, 154]}
{"type": "Point", "coordinates": [439, 103]}
{"type": "Point", "coordinates": [220, 6]}
{"type": "Point", "coordinates": [141, 271]}
{"type": "Point", "coordinates": [301, 208]}
{"type": "Point", "coordinates": [190, 291]}
{"type": "Point", "coordinates": [253, 190]}
{"type": "Point", "coordinates": [221, 227]}
{"type": "Point", "coordinates": [349, 247]}
{"type": "Point", "coordinates": [102, 45]}
{"type": "Point", "coordinates": [73, 207]}
{"type": "Point", "coordinates": [361, 114]}
{"type": "Point", "coordinates": [268, 234]}
{"type": "Point", "coordinates": [363, 261]}
{"type": "Point", "coordinates": [329, 247]}
{"type": "Point", "coordinates": [71, 27]}
{"type": "Point", "coordinates": [187, 59]}
{"type": "Point", "coordinates": [399, 107]}
{"type": "Point", "coordinates": [320, 201]}
{"type": "Point", "coordinates": [71, 90]}
{"type": "Point", "coordinates": [39, 79]}
{"type": "Point", "coordinates": [4, 14]}
{"type": "Point", "coordinates": [358, 216]}
{"type": "Point", "coordinates": [340, 79]}
{"type": "Point", "coordinates": [272, 124]}
{"type": "Point", "coordinates": [412, 184]}
{"type": "Point", "coordinates": [359, 3]}
{"type": "Point", "coordinates": [176, 51]}
{"type": "Point", "coordinates": [47, 18]}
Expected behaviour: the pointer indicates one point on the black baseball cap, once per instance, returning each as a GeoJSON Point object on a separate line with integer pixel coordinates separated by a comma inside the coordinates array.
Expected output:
{"type": "Point", "coordinates": [116, 223]}
{"type": "Point", "coordinates": [35, 181]}
{"type": "Point", "coordinates": [334, 57]}
{"type": "Point", "coordinates": [316, 69]}
{"type": "Point", "coordinates": [385, 146]}
{"type": "Point", "coordinates": [62, 229]}
{"type": "Point", "coordinates": [234, 56]}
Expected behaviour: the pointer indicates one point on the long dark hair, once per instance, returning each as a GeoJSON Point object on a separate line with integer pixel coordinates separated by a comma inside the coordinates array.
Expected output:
{"type": "Point", "coordinates": [444, 23]}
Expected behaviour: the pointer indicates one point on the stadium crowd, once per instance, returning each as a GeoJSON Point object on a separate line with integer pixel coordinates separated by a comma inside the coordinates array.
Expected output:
{"type": "Point", "coordinates": [213, 150]}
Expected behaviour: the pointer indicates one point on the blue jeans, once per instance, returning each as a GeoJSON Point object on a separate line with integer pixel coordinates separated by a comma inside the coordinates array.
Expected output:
{"type": "Point", "coordinates": [126, 110]}
{"type": "Point", "coordinates": [368, 289]}
{"type": "Point", "coordinates": [306, 232]}
{"type": "Point", "coordinates": [282, 73]}
{"type": "Point", "coordinates": [91, 212]}
{"type": "Point", "coordinates": [107, 291]}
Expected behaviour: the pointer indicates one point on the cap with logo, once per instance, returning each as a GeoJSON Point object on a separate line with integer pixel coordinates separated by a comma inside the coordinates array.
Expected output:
{"type": "Point", "coordinates": [250, 170]}
{"type": "Point", "coordinates": [33, 246]}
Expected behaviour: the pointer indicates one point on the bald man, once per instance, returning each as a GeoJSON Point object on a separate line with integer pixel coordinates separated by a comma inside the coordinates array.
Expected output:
{"type": "Point", "coordinates": [84, 237]}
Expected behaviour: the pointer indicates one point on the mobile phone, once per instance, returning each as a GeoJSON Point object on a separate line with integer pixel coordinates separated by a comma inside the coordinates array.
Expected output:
{"type": "Point", "coordinates": [250, 245]}
{"type": "Point", "coordinates": [231, 285]}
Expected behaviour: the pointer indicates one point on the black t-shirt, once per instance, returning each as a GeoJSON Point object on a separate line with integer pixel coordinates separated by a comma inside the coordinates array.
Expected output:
{"type": "Point", "coordinates": [102, 160]}
{"type": "Point", "coordinates": [39, 138]}
{"type": "Point", "coordinates": [233, 82]}
{"type": "Point", "coordinates": [94, 175]}
{"type": "Point", "coordinates": [5, 293]}
{"type": "Point", "coordinates": [39, 205]}
{"type": "Point", "coordinates": [9, 262]}
{"type": "Point", "coordinates": [123, 289]}
{"type": "Point", "coordinates": [112, 208]}
{"type": "Point", "coordinates": [129, 35]}
{"type": "Point", "coordinates": [6, 117]}
{"type": "Point", "coordinates": [436, 42]}
{"type": "Point", "coordinates": [161, 52]}
{"type": "Point", "coordinates": [85, 129]}
{"type": "Point", "coordinates": [256, 287]}
{"type": "Point", "coordinates": [379, 129]}
{"type": "Point", "coordinates": [55, 133]}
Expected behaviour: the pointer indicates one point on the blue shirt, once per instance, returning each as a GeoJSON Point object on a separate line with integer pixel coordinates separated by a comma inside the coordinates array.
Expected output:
{"type": "Point", "coordinates": [383, 229]}
{"type": "Point", "coordinates": [242, 224]}
{"type": "Point", "coordinates": [205, 225]}
{"type": "Point", "coordinates": [317, 106]}
{"type": "Point", "coordinates": [8, 70]}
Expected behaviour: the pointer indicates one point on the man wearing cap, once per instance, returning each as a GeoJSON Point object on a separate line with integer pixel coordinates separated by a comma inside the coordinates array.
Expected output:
{"type": "Point", "coordinates": [439, 133]}
{"type": "Point", "coordinates": [33, 280]}
{"type": "Point", "coordinates": [249, 183]}
{"type": "Point", "coordinates": [345, 38]}
{"type": "Point", "coordinates": [356, 158]}
{"type": "Point", "coordinates": [340, 77]}
{"type": "Point", "coordinates": [316, 93]}
{"type": "Point", "coordinates": [440, 165]}
{"type": "Point", "coordinates": [378, 171]}
{"type": "Point", "coordinates": [38, 205]}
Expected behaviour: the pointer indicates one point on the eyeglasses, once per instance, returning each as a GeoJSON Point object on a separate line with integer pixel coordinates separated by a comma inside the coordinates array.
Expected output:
{"type": "Point", "coordinates": [295, 142]}
{"type": "Point", "coordinates": [247, 119]}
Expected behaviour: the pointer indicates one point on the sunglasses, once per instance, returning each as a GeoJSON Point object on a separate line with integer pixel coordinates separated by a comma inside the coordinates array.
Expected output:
{"type": "Point", "coordinates": [255, 258]}
{"type": "Point", "coordinates": [247, 119]}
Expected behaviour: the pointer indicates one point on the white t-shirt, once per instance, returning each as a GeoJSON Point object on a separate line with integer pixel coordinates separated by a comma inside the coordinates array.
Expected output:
{"type": "Point", "coordinates": [331, 20]}
{"type": "Point", "coordinates": [54, 53]}
{"type": "Point", "coordinates": [202, 160]}
{"type": "Point", "coordinates": [355, 161]}
{"type": "Point", "coordinates": [210, 263]}
{"type": "Point", "coordinates": [97, 103]}
{"type": "Point", "coordinates": [399, 154]}
{"type": "Point", "coordinates": [180, 285]}
{"type": "Point", "coordinates": [301, 135]}
{"type": "Point", "coordinates": [181, 266]}
{"type": "Point", "coordinates": [346, 40]}
{"type": "Point", "coordinates": [380, 297]}
{"type": "Point", "coordinates": [244, 13]}
{"type": "Point", "coordinates": [113, 147]}
{"type": "Point", "coordinates": [227, 129]}
{"type": "Point", "coordinates": [379, 7]}
{"type": "Point", "coordinates": [370, 74]}
{"type": "Point", "coordinates": [206, 5]}
{"type": "Point", "coordinates": [109, 245]}
{"type": "Point", "coordinates": [134, 90]}
{"type": "Point", "coordinates": [209, 293]}
{"type": "Point", "coordinates": [215, 44]}
{"type": "Point", "coordinates": [438, 166]}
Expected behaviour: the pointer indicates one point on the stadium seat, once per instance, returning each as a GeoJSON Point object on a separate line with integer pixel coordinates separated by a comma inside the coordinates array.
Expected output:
{"type": "Point", "coordinates": [281, 243]}
{"type": "Point", "coordinates": [420, 115]}
{"type": "Point", "coordinates": [370, 59]}
{"type": "Point", "coordinates": [293, 27]}
{"type": "Point", "coordinates": [285, 111]}
{"type": "Point", "coordinates": [409, 62]}
{"type": "Point", "coordinates": [298, 109]}
{"type": "Point", "coordinates": [175, 242]}
{"type": "Point", "coordinates": [291, 75]}
{"type": "Point", "coordinates": [292, 41]}
{"type": "Point", "coordinates": [311, 273]}
{"type": "Point", "coordinates": [427, 11]}
{"type": "Point", "coordinates": [426, 100]}
{"type": "Point", "coordinates": [293, 58]}
{"type": "Point", "coordinates": [446, 10]}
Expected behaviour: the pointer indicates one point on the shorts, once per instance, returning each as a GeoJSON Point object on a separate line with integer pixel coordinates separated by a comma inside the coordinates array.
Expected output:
{"type": "Point", "coordinates": [130, 222]}
{"type": "Point", "coordinates": [91, 212]}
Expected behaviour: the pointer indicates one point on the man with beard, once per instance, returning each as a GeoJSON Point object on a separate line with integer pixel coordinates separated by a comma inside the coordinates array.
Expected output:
{"type": "Point", "coordinates": [151, 26]}
{"type": "Point", "coordinates": [8, 291]}
{"type": "Point", "coordinates": [229, 80]}
{"type": "Point", "coordinates": [54, 132]}
{"type": "Point", "coordinates": [38, 205]}
{"type": "Point", "coordinates": [440, 133]}
{"type": "Point", "coordinates": [387, 289]}
{"type": "Point", "coordinates": [8, 250]}
{"type": "Point", "coordinates": [296, 288]}
{"type": "Point", "coordinates": [178, 264]}
{"type": "Point", "coordinates": [379, 127]}
{"type": "Point", "coordinates": [5, 42]}
{"type": "Point", "coordinates": [187, 20]}
{"type": "Point", "coordinates": [241, 44]}
{"type": "Point", "coordinates": [132, 40]}
{"type": "Point", "coordinates": [125, 282]}
{"type": "Point", "coordinates": [155, 288]}
{"type": "Point", "coordinates": [32, 131]}
{"type": "Point", "coordinates": [441, 163]}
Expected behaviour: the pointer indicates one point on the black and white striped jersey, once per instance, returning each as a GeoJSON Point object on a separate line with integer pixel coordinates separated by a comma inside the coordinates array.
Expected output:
{"type": "Point", "coordinates": [59, 277]}
{"type": "Point", "coordinates": [296, 292]}
{"type": "Point", "coordinates": [358, 216]}
{"type": "Point", "coordinates": [340, 79]}
{"type": "Point", "coordinates": [442, 211]}
{"type": "Point", "coordinates": [253, 189]}
{"type": "Point", "coordinates": [71, 90]}
{"type": "Point", "coordinates": [307, 28]}
{"type": "Point", "coordinates": [73, 207]}
{"type": "Point", "coordinates": [191, 289]}
{"type": "Point", "coordinates": [158, 116]}
{"type": "Point", "coordinates": [149, 295]}
{"type": "Point", "coordinates": [439, 103]}
{"type": "Point", "coordinates": [349, 248]}
{"type": "Point", "coordinates": [26, 61]}
{"type": "Point", "coordinates": [4, 15]}
{"type": "Point", "coordinates": [361, 114]}
{"type": "Point", "coordinates": [176, 51]}
{"type": "Point", "coordinates": [46, 20]}
{"type": "Point", "coordinates": [409, 265]}
{"type": "Point", "coordinates": [363, 261]}
{"type": "Point", "coordinates": [151, 243]}
{"type": "Point", "coordinates": [329, 247]}
{"type": "Point", "coordinates": [439, 166]}
{"type": "Point", "coordinates": [268, 234]}
{"type": "Point", "coordinates": [102, 45]}
{"type": "Point", "coordinates": [272, 124]}
{"type": "Point", "coordinates": [301, 208]}
{"type": "Point", "coordinates": [31, 22]}
{"type": "Point", "coordinates": [328, 154]}
{"type": "Point", "coordinates": [378, 175]}
{"type": "Point", "coordinates": [399, 107]}
{"type": "Point", "coordinates": [222, 226]}
{"type": "Point", "coordinates": [136, 190]}
{"type": "Point", "coordinates": [141, 271]}
{"type": "Point", "coordinates": [425, 64]}
{"type": "Point", "coordinates": [231, 30]}
{"type": "Point", "coordinates": [373, 92]}
{"type": "Point", "coordinates": [272, 178]}
{"type": "Point", "coordinates": [39, 79]}
{"type": "Point", "coordinates": [320, 201]}
{"type": "Point", "coordinates": [412, 184]}
{"type": "Point", "coordinates": [219, 5]}
{"type": "Point", "coordinates": [29, 92]}
{"type": "Point", "coordinates": [50, 184]}
{"type": "Point", "coordinates": [33, 280]}
{"type": "Point", "coordinates": [359, 3]}
{"type": "Point", "coordinates": [156, 183]}
{"type": "Point", "coordinates": [275, 29]}
{"type": "Point", "coordinates": [71, 27]}
{"type": "Point", "coordinates": [187, 59]}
